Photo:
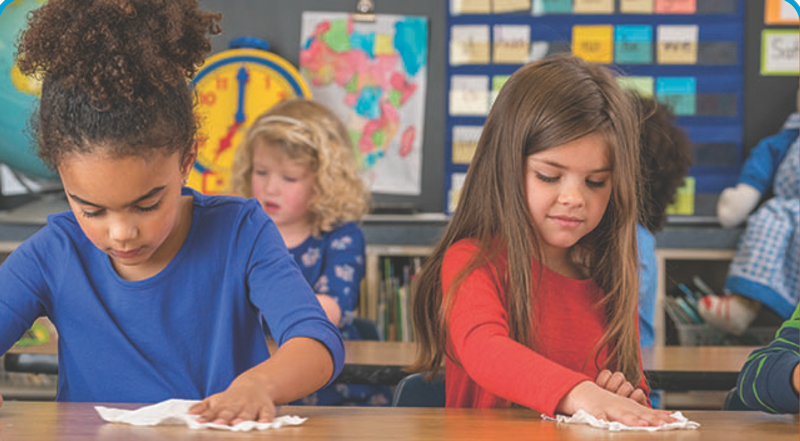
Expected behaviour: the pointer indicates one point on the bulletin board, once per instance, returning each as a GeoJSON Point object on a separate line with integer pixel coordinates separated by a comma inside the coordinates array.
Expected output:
{"type": "Point", "coordinates": [688, 54]}
{"type": "Point", "coordinates": [766, 101]}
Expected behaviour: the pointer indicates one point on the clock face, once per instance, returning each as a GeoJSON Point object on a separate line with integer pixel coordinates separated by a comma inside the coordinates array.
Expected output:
{"type": "Point", "coordinates": [233, 88]}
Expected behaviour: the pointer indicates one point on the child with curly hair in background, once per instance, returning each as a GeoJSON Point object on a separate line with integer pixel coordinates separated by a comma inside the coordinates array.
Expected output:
{"type": "Point", "coordinates": [156, 291]}
{"type": "Point", "coordinates": [297, 161]}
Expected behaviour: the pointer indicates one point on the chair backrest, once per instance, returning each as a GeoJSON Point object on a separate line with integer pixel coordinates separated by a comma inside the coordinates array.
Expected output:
{"type": "Point", "coordinates": [415, 391]}
{"type": "Point", "coordinates": [367, 329]}
{"type": "Point", "coordinates": [733, 402]}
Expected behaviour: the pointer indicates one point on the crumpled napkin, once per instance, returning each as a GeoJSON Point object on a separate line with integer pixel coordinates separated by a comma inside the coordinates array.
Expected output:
{"type": "Point", "coordinates": [582, 417]}
{"type": "Point", "coordinates": [173, 412]}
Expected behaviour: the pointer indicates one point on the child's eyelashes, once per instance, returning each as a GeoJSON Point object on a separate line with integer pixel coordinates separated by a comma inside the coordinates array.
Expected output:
{"type": "Point", "coordinates": [149, 208]}
{"type": "Point", "coordinates": [553, 179]}
{"type": "Point", "coordinates": [92, 213]}
{"type": "Point", "coordinates": [596, 184]}
{"type": "Point", "coordinates": [548, 179]}
{"type": "Point", "coordinates": [97, 213]}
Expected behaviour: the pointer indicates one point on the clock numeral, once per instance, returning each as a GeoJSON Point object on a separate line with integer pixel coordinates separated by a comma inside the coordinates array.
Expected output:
{"type": "Point", "coordinates": [268, 82]}
{"type": "Point", "coordinates": [222, 83]}
{"type": "Point", "coordinates": [208, 98]}
{"type": "Point", "coordinates": [281, 95]}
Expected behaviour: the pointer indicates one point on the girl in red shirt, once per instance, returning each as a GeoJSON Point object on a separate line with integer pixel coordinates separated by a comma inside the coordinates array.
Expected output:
{"type": "Point", "coordinates": [532, 292]}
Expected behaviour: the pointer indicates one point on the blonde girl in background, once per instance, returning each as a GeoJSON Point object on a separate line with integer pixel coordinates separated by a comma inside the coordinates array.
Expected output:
{"type": "Point", "coordinates": [297, 161]}
{"type": "Point", "coordinates": [532, 292]}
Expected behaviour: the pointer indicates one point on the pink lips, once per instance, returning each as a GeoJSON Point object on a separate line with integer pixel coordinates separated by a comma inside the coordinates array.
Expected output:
{"type": "Point", "coordinates": [566, 221]}
{"type": "Point", "coordinates": [270, 208]}
{"type": "Point", "coordinates": [125, 254]}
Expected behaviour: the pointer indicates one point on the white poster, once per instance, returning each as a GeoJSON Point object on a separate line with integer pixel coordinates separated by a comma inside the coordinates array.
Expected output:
{"type": "Point", "coordinates": [373, 76]}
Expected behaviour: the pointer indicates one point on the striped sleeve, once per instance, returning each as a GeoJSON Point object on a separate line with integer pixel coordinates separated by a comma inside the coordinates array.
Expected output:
{"type": "Point", "coordinates": [765, 380]}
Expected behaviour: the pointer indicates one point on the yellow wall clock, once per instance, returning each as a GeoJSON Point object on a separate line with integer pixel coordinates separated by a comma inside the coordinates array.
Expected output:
{"type": "Point", "coordinates": [233, 88]}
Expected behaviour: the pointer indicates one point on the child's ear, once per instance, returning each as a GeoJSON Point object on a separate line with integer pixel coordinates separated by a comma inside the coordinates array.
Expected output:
{"type": "Point", "coordinates": [189, 159]}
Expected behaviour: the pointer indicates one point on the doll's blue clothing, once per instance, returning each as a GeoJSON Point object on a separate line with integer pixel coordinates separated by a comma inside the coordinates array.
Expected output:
{"type": "Point", "coordinates": [766, 267]}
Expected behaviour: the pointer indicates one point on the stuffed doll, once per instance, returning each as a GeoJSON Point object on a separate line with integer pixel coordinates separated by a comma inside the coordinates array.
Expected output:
{"type": "Point", "coordinates": [766, 268]}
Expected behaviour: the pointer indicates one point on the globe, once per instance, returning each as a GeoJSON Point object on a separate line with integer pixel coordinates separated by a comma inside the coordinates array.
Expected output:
{"type": "Point", "coordinates": [18, 95]}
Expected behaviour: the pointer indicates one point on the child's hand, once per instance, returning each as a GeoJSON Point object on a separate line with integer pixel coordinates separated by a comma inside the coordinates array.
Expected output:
{"type": "Point", "coordinates": [608, 406]}
{"type": "Point", "coordinates": [246, 399]}
{"type": "Point", "coordinates": [795, 381]}
{"type": "Point", "coordinates": [1, 400]}
{"type": "Point", "coordinates": [616, 383]}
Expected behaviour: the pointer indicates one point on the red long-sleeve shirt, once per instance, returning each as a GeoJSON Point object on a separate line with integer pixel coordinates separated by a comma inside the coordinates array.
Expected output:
{"type": "Point", "coordinates": [495, 369]}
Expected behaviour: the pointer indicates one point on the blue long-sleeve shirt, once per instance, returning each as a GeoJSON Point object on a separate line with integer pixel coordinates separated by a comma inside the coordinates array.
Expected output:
{"type": "Point", "coordinates": [186, 332]}
{"type": "Point", "coordinates": [765, 380]}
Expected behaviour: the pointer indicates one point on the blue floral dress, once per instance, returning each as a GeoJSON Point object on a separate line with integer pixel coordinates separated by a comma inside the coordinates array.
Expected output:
{"type": "Point", "coordinates": [333, 264]}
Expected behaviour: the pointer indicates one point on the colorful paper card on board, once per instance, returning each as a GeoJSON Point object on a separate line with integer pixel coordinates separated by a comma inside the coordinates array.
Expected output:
{"type": "Point", "coordinates": [511, 44]}
{"type": "Point", "coordinates": [593, 43]}
{"type": "Point", "coordinates": [675, 6]}
{"type": "Point", "coordinates": [641, 85]}
{"type": "Point", "coordinates": [465, 141]}
{"type": "Point", "coordinates": [506, 6]}
{"type": "Point", "coordinates": [684, 198]}
{"type": "Point", "coordinates": [469, 95]}
{"type": "Point", "coordinates": [543, 7]}
{"type": "Point", "coordinates": [593, 6]}
{"type": "Point", "coordinates": [780, 52]}
{"type": "Point", "coordinates": [459, 7]}
{"type": "Point", "coordinates": [469, 44]}
{"type": "Point", "coordinates": [636, 6]}
{"type": "Point", "coordinates": [498, 81]}
{"type": "Point", "coordinates": [680, 93]}
{"type": "Point", "coordinates": [633, 44]}
{"type": "Point", "coordinates": [780, 12]}
{"type": "Point", "coordinates": [677, 44]}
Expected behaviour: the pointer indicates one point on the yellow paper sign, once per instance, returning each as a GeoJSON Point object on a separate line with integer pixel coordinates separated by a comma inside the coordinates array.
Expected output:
{"type": "Point", "coordinates": [511, 44]}
{"type": "Point", "coordinates": [469, 44]}
{"type": "Point", "coordinates": [677, 44]}
{"type": "Point", "coordinates": [593, 7]}
{"type": "Point", "coordinates": [503, 6]}
{"type": "Point", "coordinates": [593, 43]}
{"type": "Point", "coordinates": [458, 7]}
{"type": "Point", "coordinates": [636, 6]}
{"type": "Point", "coordinates": [465, 141]}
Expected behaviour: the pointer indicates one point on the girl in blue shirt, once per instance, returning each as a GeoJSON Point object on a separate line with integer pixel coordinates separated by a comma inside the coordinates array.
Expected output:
{"type": "Point", "coordinates": [297, 161]}
{"type": "Point", "coordinates": [156, 291]}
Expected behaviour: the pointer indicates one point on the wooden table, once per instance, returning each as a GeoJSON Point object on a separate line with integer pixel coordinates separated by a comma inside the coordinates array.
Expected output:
{"type": "Point", "coordinates": [675, 368]}
{"type": "Point", "coordinates": [79, 422]}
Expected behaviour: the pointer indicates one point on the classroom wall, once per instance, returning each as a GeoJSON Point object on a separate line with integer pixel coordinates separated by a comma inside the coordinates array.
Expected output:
{"type": "Point", "coordinates": [767, 100]}
{"type": "Point", "coordinates": [279, 21]}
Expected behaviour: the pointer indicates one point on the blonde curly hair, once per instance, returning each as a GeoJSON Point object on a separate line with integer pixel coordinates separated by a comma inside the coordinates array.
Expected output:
{"type": "Point", "coordinates": [309, 134]}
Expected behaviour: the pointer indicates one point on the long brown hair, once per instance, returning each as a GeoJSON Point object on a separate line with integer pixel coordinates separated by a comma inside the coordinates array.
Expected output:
{"type": "Point", "coordinates": [543, 105]}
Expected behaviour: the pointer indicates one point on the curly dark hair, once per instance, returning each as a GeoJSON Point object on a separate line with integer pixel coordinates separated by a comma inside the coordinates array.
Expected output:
{"type": "Point", "coordinates": [115, 74]}
{"type": "Point", "coordinates": [666, 154]}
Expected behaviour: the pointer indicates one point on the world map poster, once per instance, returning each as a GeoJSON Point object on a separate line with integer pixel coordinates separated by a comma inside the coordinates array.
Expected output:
{"type": "Point", "coordinates": [373, 76]}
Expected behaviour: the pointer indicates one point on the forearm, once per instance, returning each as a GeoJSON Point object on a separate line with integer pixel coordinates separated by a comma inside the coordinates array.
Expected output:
{"type": "Point", "coordinates": [301, 366]}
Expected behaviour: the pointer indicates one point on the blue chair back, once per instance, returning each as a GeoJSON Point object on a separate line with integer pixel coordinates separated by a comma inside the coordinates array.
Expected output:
{"type": "Point", "coordinates": [415, 391]}
{"type": "Point", "coordinates": [367, 329]}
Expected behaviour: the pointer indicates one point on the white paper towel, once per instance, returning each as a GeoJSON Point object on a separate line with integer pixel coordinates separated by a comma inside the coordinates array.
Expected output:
{"type": "Point", "coordinates": [582, 417]}
{"type": "Point", "coordinates": [173, 412]}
